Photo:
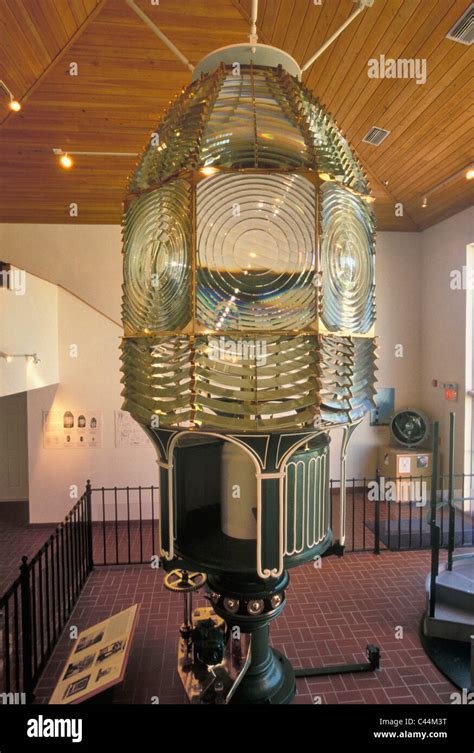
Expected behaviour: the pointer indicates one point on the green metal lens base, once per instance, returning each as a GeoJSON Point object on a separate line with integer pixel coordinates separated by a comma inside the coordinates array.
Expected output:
{"type": "Point", "coordinates": [271, 681]}
{"type": "Point", "coordinates": [270, 678]}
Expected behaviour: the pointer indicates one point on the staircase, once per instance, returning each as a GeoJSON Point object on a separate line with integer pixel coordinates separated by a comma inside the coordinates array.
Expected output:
{"type": "Point", "coordinates": [454, 612]}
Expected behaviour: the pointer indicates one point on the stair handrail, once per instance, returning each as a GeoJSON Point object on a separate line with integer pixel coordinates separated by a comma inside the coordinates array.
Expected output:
{"type": "Point", "coordinates": [435, 530]}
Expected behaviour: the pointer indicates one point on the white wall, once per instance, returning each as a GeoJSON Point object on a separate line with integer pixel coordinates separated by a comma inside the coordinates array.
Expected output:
{"type": "Point", "coordinates": [443, 355]}
{"type": "Point", "coordinates": [28, 324]}
{"type": "Point", "coordinates": [85, 259]}
{"type": "Point", "coordinates": [398, 278]}
{"type": "Point", "coordinates": [90, 382]}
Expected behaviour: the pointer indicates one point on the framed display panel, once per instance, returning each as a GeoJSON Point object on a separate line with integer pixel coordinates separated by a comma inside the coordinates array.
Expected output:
{"type": "Point", "coordinates": [98, 659]}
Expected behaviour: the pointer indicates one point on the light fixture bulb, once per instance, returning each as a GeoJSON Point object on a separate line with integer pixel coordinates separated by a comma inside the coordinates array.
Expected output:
{"type": "Point", "coordinates": [424, 203]}
{"type": "Point", "coordinates": [14, 105]}
{"type": "Point", "coordinates": [65, 161]}
{"type": "Point", "coordinates": [9, 359]}
{"type": "Point", "coordinates": [208, 170]}
{"type": "Point", "coordinates": [470, 173]}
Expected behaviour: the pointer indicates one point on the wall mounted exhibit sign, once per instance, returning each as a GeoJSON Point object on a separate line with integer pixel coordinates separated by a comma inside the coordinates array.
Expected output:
{"type": "Point", "coordinates": [79, 429]}
{"type": "Point", "coordinates": [98, 659]}
{"type": "Point", "coordinates": [127, 432]}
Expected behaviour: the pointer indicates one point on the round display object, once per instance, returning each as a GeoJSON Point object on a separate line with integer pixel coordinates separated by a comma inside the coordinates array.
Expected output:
{"type": "Point", "coordinates": [410, 428]}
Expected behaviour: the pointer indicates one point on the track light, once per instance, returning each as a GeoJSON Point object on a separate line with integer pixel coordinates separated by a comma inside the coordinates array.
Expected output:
{"type": "Point", "coordinates": [467, 171]}
{"type": "Point", "coordinates": [66, 161]}
{"type": "Point", "coordinates": [29, 357]}
{"type": "Point", "coordinates": [14, 105]}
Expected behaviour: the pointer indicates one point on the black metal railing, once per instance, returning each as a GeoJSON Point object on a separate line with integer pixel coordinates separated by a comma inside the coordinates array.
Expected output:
{"type": "Point", "coordinates": [393, 513]}
{"type": "Point", "coordinates": [124, 524]}
{"type": "Point", "coordinates": [36, 607]}
{"type": "Point", "coordinates": [382, 513]}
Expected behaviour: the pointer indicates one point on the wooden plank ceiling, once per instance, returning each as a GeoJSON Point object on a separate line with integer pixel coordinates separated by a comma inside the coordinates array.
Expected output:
{"type": "Point", "coordinates": [126, 78]}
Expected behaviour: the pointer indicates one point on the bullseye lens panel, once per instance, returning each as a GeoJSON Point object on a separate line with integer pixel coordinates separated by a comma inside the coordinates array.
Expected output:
{"type": "Point", "coordinates": [347, 261]}
{"type": "Point", "coordinates": [157, 238]}
{"type": "Point", "coordinates": [256, 252]}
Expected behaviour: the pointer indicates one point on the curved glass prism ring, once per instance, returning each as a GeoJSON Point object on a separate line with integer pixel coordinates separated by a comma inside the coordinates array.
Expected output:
{"type": "Point", "coordinates": [248, 311]}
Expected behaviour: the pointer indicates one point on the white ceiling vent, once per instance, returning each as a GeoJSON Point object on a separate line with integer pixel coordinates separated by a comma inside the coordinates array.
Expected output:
{"type": "Point", "coordinates": [463, 30]}
{"type": "Point", "coordinates": [375, 135]}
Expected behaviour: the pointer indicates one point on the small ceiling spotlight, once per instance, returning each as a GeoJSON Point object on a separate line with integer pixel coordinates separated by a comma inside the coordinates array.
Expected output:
{"type": "Point", "coordinates": [470, 173]}
{"type": "Point", "coordinates": [424, 203]}
{"type": "Point", "coordinates": [66, 161]}
{"type": "Point", "coordinates": [8, 358]}
{"type": "Point", "coordinates": [14, 105]}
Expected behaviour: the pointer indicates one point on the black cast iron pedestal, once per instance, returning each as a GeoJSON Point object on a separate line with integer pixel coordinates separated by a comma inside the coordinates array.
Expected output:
{"type": "Point", "coordinates": [270, 678]}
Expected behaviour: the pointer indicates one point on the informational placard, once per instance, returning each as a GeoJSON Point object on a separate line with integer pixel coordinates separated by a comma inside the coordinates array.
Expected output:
{"type": "Point", "coordinates": [128, 432]}
{"type": "Point", "coordinates": [75, 429]}
{"type": "Point", "coordinates": [404, 464]}
{"type": "Point", "coordinates": [98, 659]}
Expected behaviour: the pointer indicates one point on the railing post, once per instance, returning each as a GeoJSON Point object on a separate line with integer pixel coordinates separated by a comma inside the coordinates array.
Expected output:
{"type": "Point", "coordinates": [472, 663]}
{"type": "Point", "coordinates": [434, 568]}
{"type": "Point", "coordinates": [435, 531]}
{"type": "Point", "coordinates": [26, 630]}
{"type": "Point", "coordinates": [377, 516]}
{"type": "Point", "coordinates": [90, 548]}
{"type": "Point", "coordinates": [451, 505]}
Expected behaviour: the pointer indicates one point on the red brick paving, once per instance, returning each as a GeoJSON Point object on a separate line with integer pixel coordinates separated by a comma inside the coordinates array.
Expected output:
{"type": "Point", "coordinates": [330, 616]}
{"type": "Point", "coordinates": [17, 540]}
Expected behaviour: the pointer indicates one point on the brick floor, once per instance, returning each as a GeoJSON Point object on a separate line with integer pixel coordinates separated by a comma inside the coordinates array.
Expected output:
{"type": "Point", "coordinates": [331, 614]}
{"type": "Point", "coordinates": [17, 540]}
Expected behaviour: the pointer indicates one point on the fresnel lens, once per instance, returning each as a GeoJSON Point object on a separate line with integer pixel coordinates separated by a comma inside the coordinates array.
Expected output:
{"type": "Point", "coordinates": [248, 311]}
